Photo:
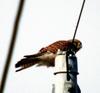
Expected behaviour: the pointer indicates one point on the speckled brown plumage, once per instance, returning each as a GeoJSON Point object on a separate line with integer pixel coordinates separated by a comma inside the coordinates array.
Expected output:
{"type": "Point", "coordinates": [46, 55]}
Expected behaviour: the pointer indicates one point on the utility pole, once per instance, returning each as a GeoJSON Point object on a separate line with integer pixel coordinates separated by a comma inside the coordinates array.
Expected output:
{"type": "Point", "coordinates": [62, 83]}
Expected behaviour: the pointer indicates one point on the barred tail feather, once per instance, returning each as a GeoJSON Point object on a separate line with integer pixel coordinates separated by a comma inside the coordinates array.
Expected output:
{"type": "Point", "coordinates": [25, 63]}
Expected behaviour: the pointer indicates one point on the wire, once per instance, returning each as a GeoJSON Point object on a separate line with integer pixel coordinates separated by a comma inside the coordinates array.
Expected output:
{"type": "Point", "coordinates": [69, 51]}
{"type": "Point", "coordinates": [11, 47]}
{"type": "Point", "coordinates": [78, 21]}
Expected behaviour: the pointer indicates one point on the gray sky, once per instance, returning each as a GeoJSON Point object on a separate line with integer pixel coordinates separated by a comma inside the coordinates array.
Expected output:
{"type": "Point", "coordinates": [43, 22]}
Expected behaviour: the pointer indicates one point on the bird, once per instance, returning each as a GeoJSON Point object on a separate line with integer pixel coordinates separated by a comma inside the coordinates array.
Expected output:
{"type": "Point", "coordinates": [46, 55]}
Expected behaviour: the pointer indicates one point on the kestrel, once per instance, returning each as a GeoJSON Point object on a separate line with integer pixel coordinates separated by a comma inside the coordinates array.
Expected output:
{"type": "Point", "coordinates": [46, 56]}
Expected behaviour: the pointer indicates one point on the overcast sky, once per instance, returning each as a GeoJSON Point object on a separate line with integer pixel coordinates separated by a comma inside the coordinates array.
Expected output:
{"type": "Point", "coordinates": [44, 22]}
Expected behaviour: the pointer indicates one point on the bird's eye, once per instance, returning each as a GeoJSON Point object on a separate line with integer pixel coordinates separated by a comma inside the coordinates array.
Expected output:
{"type": "Point", "coordinates": [79, 45]}
{"type": "Point", "coordinates": [75, 44]}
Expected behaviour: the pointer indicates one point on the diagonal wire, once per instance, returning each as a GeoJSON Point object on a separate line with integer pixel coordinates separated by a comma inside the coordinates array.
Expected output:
{"type": "Point", "coordinates": [68, 76]}
{"type": "Point", "coordinates": [78, 21]}
{"type": "Point", "coordinates": [12, 44]}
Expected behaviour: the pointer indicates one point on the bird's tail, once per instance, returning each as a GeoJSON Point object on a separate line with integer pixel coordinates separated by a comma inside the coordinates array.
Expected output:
{"type": "Point", "coordinates": [26, 62]}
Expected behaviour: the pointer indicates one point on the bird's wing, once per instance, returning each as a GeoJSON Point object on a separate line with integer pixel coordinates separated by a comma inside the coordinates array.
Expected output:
{"type": "Point", "coordinates": [33, 55]}
{"type": "Point", "coordinates": [41, 52]}
{"type": "Point", "coordinates": [40, 59]}
{"type": "Point", "coordinates": [26, 62]}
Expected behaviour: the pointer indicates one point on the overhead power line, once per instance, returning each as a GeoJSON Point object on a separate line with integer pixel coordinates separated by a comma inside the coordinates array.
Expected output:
{"type": "Point", "coordinates": [11, 47]}
{"type": "Point", "coordinates": [78, 21]}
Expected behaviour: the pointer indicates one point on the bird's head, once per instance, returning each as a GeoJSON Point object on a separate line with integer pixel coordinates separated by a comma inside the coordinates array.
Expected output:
{"type": "Point", "coordinates": [75, 45]}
